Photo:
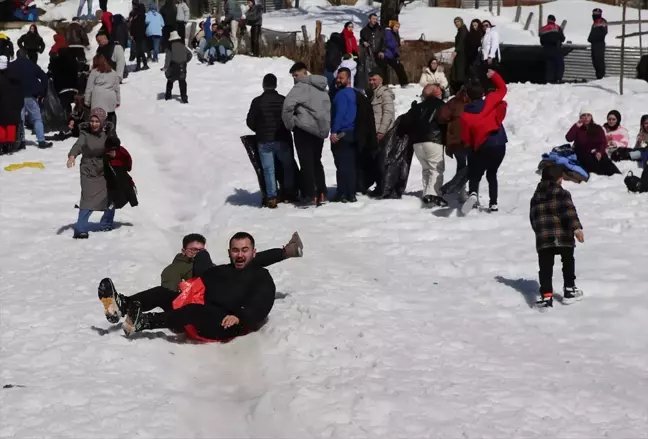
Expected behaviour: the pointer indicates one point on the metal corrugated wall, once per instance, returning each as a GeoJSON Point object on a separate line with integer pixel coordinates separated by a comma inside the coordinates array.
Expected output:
{"type": "Point", "coordinates": [578, 63]}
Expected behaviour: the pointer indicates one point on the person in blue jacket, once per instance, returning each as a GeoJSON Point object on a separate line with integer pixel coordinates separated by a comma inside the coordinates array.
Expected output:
{"type": "Point", "coordinates": [154, 26]}
{"type": "Point", "coordinates": [343, 141]}
{"type": "Point", "coordinates": [33, 84]}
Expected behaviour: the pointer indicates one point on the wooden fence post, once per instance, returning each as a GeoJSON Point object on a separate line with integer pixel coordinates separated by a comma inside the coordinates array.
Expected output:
{"type": "Point", "coordinates": [318, 30]}
{"type": "Point", "coordinates": [369, 2]}
{"type": "Point", "coordinates": [540, 17]}
{"type": "Point", "coordinates": [305, 34]}
{"type": "Point", "coordinates": [640, 36]}
{"type": "Point", "coordinates": [623, 28]}
{"type": "Point", "coordinates": [563, 25]}
{"type": "Point", "coordinates": [297, 4]}
{"type": "Point", "coordinates": [490, 6]}
{"type": "Point", "coordinates": [528, 21]}
{"type": "Point", "coordinates": [518, 13]}
{"type": "Point", "coordinates": [499, 7]}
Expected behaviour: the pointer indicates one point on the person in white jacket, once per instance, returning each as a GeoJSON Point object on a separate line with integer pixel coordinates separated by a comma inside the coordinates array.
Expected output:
{"type": "Point", "coordinates": [182, 18]}
{"type": "Point", "coordinates": [490, 44]}
{"type": "Point", "coordinates": [433, 74]}
{"type": "Point", "coordinates": [349, 63]}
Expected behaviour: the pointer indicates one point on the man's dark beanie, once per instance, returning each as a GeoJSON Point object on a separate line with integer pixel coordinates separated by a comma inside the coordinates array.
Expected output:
{"type": "Point", "coordinates": [270, 81]}
{"type": "Point", "coordinates": [551, 18]}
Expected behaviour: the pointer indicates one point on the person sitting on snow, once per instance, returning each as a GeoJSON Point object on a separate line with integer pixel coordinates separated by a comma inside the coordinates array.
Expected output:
{"type": "Point", "coordinates": [182, 267]}
{"type": "Point", "coordinates": [77, 117]}
{"type": "Point", "coordinates": [223, 301]}
{"type": "Point", "coordinates": [219, 48]}
{"type": "Point", "coordinates": [590, 145]}
{"type": "Point", "coordinates": [615, 134]}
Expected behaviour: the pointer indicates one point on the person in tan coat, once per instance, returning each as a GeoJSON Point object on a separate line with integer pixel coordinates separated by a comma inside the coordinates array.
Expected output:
{"type": "Point", "coordinates": [382, 102]}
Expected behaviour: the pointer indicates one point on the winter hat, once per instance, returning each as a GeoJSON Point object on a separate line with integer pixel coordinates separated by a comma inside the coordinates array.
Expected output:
{"type": "Point", "coordinates": [99, 113]}
{"type": "Point", "coordinates": [586, 110]}
{"type": "Point", "coordinates": [269, 82]}
{"type": "Point", "coordinates": [459, 19]}
{"type": "Point", "coordinates": [551, 18]}
{"type": "Point", "coordinates": [174, 36]}
{"type": "Point", "coordinates": [616, 114]}
{"type": "Point", "coordinates": [4, 61]}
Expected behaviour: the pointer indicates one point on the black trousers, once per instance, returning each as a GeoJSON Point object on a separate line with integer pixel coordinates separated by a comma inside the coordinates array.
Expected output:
{"type": "Point", "coordinates": [344, 155]}
{"type": "Point", "coordinates": [182, 30]}
{"type": "Point", "coordinates": [486, 159]}
{"type": "Point", "coordinates": [103, 5]}
{"type": "Point", "coordinates": [140, 53]}
{"type": "Point", "coordinates": [205, 318]}
{"type": "Point", "coordinates": [591, 164]}
{"type": "Point", "coordinates": [398, 68]}
{"type": "Point", "coordinates": [255, 35]}
{"type": "Point", "coordinates": [546, 263]}
{"type": "Point", "coordinates": [554, 65]}
{"type": "Point", "coordinates": [112, 118]}
{"type": "Point", "coordinates": [598, 59]}
{"type": "Point", "coordinates": [33, 55]}
{"type": "Point", "coordinates": [309, 151]}
{"type": "Point", "coordinates": [183, 87]}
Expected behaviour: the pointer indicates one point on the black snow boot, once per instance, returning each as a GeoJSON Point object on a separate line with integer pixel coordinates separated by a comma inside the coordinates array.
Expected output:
{"type": "Point", "coordinates": [137, 321]}
{"type": "Point", "coordinates": [44, 145]}
{"type": "Point", "coordinates": [115, 305]}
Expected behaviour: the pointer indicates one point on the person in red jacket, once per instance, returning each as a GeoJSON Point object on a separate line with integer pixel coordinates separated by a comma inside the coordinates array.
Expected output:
{"type": "Point", "coordinates": [482, 131]}
{"type": "Point", "coordinates": [350, 41]}
{"type": "Point", "coordinates": [590, 145]}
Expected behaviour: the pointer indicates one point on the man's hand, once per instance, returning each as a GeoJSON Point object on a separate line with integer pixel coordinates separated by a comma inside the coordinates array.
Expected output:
{"type": "Point", "coordinates": [490, 73]}
{"type": "Point", "coordinates": [111, 153]}
{"type": "Point", "coordinates": [598, 156]}
{"type": "Point", "coordinates": [454, 55]}
{"type": "Point", "coordinates": [364, 43]}
{"type": "Point", "coordinates": [381, 55]}
{"type": "Point", "coordinates": [490, 61]}
{"type": "Point", "coordinates": [579, 235]}
{"type": "Point", "coordinates": [380, 136]}
{"type": "Point", "coordinates": [71, 124]}
{"type": "Point", "coordinates": [229, 321]}
{"type": "Point", "coordinates": [334, 138]}
{"type": "Point", "coordinates": [70, 162]}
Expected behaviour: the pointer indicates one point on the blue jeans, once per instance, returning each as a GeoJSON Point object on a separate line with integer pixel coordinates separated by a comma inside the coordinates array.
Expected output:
{"type": "Point", "coordinates": [344, 156]}
{"type": "Point", "coordinates": [282, 151]}
{"type": "Point", "coordinates": [330, 78]}
{"type": "Point", "coordinates": [219, 53]}
{"type": "Point", "coordinates": [81, 4]}
{"type": "Point", "coordinates": [83, 226]}
{"type": "Point", "coordinates": [32, 107]}
{"type": "Point", "coordinates": [156, 47]}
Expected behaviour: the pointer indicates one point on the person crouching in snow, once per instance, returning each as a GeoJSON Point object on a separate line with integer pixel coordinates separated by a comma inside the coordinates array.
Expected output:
{"type": "Point", "coordinates": [175, 66]}
{"type": "Point", "coordinates": [77, 117]}
{"type": "Point", "coordinates": [555, 222]}
{"type": "Point", "coordinates": [117, 164]}
{"type": "Point", "coordinates": [615, 134]}
{"type": "Point", "coordinates": [483, 132]}
{"type": "Point", "coordinates": [91, 145]}
{"type": "Point", "coordinates": [220, 303]}
{"type": "Point", "coordinates": [219, 48]}
{"type": "Point", "coordinates": [590, 145]}
{"type": "Point", "coordinates": [348, 63]}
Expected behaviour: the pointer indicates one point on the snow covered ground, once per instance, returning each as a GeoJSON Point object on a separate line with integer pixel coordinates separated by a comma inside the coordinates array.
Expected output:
{"type": "Point", "coordinates": [399, 322]}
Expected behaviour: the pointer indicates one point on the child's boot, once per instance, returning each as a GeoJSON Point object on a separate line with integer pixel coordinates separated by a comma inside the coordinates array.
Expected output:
{"type": "Point", "coordinates": [571, 295]}
{"type": "Point", "coordinates": [546, 300]}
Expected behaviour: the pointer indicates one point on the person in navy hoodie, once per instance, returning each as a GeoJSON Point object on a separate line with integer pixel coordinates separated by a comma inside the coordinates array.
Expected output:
{"type": "Point", "coordinates": [482, 131]}
{"type": "Point", "coordinates": [343, 141]}
{"type": "Point", "coordinates": [392, 52]}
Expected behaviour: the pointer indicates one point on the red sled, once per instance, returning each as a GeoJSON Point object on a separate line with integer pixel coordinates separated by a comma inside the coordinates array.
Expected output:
{"type": "Point", "coordinates": [8, 133]}
{"type": "Point", "coordinates": [192, 292]}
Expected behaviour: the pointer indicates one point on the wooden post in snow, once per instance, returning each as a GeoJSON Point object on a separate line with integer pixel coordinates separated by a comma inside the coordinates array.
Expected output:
{"type": "Point", "coordinates": [539, 17]}
{"type": "Point", "coordinates": [640, 37]}
{"type": "Point", "coordinates": [305, 34]}
{"type": "Point", "coordinates": [518, 13]}
{"type": "Point", "coordinates": [528, 21]}
{"type": "Point", "coordinates": [499, 7]}
{"type": "Point", "coordinates": [490, 6]}
{"type": "Point", "coordinates": [318, 31]}
{"type": "Point", "coordinates": [623, 28]}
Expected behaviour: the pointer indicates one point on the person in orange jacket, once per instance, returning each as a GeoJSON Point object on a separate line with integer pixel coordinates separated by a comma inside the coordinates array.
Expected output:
{"type": "Point", "coordinates": [482, 131]}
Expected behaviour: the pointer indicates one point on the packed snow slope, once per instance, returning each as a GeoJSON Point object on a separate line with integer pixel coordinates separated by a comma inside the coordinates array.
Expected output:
{"type": "Point", "coordinates": [398, 321]}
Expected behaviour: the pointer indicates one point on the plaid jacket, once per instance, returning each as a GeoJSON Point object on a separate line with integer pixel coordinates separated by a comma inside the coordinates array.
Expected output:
{"type": "Point", "coordinates": [553, 216]}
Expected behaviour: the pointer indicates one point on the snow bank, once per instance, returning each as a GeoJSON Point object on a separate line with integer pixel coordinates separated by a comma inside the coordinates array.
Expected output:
{"type": "Point", "coordinates": [45, 32]}
{"type": "Point", "coordinates": [398, 322]}
{"type": "Point", "coordinates": [68, 9]}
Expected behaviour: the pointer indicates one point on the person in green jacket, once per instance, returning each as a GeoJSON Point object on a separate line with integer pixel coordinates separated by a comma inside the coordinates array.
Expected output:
{"type": "Point", "coordinates": [219, 48]}
{"type": "Point", "coordinates": [182, 266]}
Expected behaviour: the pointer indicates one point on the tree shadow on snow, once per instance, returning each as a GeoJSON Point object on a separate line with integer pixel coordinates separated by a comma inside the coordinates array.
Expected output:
{"type": "Point", "coordinates": [177, 338]}
{"type": "Point", "coordinates": [94, 227]}
{"type": "Point", "coordinates": [103, 331]}
{"type": "Point", "coordinates": [527, 287]}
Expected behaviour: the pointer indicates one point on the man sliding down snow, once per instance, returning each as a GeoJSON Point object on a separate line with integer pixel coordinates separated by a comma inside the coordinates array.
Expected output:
{"type": "Point", "coordinates": [182, 267]}
{"type": "Point", "coordinates": [220, 303]}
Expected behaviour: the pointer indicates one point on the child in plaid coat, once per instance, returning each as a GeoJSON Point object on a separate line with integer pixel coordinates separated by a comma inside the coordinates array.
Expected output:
{"type": "Point", "coordinates": [555, 223]}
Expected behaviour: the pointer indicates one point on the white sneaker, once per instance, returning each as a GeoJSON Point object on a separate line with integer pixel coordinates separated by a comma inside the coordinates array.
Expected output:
{"type": "Point", "coordinates": [571, 295]}
{"type": "Point", "coordinates": [470, 203]}
{"type": "Point", "coordinates": [493, 208]}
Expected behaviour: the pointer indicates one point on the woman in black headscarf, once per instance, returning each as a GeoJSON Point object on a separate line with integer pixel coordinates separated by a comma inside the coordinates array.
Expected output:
{"type": "Point", "coordinates": [472, 45]}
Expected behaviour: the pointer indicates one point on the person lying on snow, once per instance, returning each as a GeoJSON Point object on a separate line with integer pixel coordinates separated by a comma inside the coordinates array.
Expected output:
{"type": "Point", "coordinates": [117, 164]}
{"type": "Point", "coordinates": [223, 302]}
{"type": "Point", "coordinates": [182, 267]}
{"type": "Point", "coordinates": [590, 145]}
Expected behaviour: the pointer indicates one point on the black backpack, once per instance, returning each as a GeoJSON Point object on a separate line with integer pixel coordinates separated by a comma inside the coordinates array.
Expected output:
{"type": "Point", "coordinates": [636, 184]}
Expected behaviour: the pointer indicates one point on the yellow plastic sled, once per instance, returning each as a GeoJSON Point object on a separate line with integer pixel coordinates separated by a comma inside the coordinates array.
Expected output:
{"type": "Point", "coordinates": [16, 166]}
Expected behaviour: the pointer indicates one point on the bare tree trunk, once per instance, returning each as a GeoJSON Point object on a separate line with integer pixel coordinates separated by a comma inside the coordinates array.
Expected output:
{"type": "Point", "coordinates": [389, 11]}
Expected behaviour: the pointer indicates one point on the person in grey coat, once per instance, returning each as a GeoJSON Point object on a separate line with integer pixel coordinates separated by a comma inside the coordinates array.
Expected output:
{"type": "Point", "coordinates": [254, 18]}
{"type": "Point", "coordinates": [175, 66]}
{"type": "Point", "coordinates": [102, 89]}
{"type": "Point", "coordinates": [182, 17]}
{"type": "Point", "coordinates": [307, 112]}
{"type": "Point", "coordinates": [94, 192]}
